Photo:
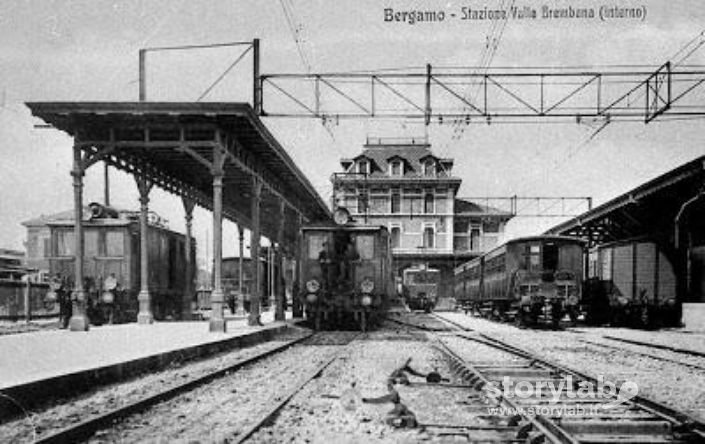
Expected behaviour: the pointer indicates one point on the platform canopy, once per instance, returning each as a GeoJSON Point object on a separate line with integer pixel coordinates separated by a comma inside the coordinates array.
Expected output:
{"type": "Point", "coordinates": [173, 144]}
{"type": "Point", "coordinates": [658, 209]}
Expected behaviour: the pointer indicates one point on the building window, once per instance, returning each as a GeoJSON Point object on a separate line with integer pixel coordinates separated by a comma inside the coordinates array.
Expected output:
{"type": "Point", "coordinates": [361, 203]}
{"type": "Point", "coordinates": [428, 237]}
{"type": "Point", "coordinates": [396, 202]}
{"type": "Point", "coordinates": [396, 168]}
{"type": "Point", "coordinates": [64, 243]}
{"type": "Point", "coordinates": [428, 203]}
{"type": "Point", "coordinates": [429, 168]}
{"type": "Point", "coordinates": [396, 237]}
{"type": "Point", "coordinates": [475, 239]}
{"type": "Point", "coordinates": [363, 167]}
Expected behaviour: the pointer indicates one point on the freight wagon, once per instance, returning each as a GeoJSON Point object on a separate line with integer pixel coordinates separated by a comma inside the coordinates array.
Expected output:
{"type": "Point", "coordinates": [631, 283]}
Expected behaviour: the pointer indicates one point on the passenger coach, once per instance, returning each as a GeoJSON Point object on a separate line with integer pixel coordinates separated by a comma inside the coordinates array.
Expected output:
{"type": "Point", "coordinates": [530, 279]}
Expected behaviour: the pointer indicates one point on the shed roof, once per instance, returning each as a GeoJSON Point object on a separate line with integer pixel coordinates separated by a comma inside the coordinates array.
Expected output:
{"type": "Point", "coordinates": [173, 142]}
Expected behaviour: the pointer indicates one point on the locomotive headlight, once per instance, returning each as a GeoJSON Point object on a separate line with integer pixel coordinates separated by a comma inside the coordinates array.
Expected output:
{"type": "Point", "coordinates": [51, 296]}
{"type": "Point", "coordinates": [366, 300]}
{"type": "Point", "coordinates": [55, 285]}
{"type": "Point", "coordinates": [311, 298]}
{"type": "Point", "coordinates": [313, 286]}
{"type": "Point", "coordinates": [572, 300]}
{"type": "Point", "coordinates": [367, 285]}
{"type": "Point", "coordinates": [108, 297]}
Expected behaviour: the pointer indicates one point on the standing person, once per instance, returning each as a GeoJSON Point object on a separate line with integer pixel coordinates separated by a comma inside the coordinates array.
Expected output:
{"type": "Point", "coordinates": [63, 296]}
{"type": "Point", "coordinates": [350, 256]}
{"type": "Point", "coordinates": [246, 301]}
{"type": "Point", "coordinates": [325, 262]}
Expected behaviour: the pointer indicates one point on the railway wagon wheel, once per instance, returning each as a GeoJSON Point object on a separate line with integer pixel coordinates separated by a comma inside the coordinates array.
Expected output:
{"type": "Point", "coordinates": [645, 316]}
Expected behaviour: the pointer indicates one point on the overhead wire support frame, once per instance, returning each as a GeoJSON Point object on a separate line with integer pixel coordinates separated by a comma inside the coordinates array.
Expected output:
{"type": "Point", "coordinates": [507, 94]}
{"type": "Point", "coordinates": [252, 45]}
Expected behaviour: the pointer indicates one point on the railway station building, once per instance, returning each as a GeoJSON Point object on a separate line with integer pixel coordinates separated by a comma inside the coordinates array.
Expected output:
{"type": "Point", "coordinates": [401, 184]}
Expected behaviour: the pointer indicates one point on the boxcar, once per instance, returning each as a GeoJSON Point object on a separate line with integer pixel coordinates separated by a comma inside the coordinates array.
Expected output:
{"type": "Point", "coordinates": [632, 283]}
{"type": "Point", "coordinates": [347, 275]}
{"type": "Point", "coordinates": [420, 287]}
{"type": "Point", "coordinates": [112, 266]}
{"type": "Point", "coordinates": [529, 278]}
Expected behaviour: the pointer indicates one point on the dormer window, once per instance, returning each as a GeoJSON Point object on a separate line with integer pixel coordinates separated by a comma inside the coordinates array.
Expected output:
{"type": "Point", "coordinates": [429, 167]}
{"type": "Point", "coordinates": [363, 167]}
{"type": "Point", "coordinates": [396, 168]}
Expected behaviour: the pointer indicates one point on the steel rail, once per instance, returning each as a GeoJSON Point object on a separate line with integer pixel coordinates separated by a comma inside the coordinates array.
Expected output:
{"type": "Point", "coordinates": [479, 380]}
{"type": "Point", "coordinates": [648, 355]}
{"type": "Point", "coordinates": [88, 427]}
{"type": "Point", "coordinates": [684, 351]}
{"type": "Point", "coordinates": [267, 417]}
{"type": "Point", "coordinates": [681, 420]}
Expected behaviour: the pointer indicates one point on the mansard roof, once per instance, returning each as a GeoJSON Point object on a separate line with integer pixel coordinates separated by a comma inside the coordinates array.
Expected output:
{"type": "Point", "coordinates": [412, 155]}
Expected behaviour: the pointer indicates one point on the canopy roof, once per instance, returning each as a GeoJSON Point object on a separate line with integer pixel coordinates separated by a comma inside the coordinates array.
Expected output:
{"type": "Point", "coordinates": [649, 210]}
{"type": "Point", "coordinates": [173, 143]}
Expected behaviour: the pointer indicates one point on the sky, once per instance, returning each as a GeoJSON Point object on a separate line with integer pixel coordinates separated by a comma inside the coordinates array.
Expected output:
{"type": "Point", "coordinates": [87, 51]}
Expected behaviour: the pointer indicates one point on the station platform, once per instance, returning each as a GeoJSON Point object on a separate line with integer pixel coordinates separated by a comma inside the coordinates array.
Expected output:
{"type": "Point", "coordinates": [46, 364]}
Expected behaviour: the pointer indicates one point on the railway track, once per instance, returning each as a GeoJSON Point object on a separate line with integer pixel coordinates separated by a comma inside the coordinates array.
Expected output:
{"type": "Point", "coordinates": [267, 418]}
{"type": "Point", "coordinates": [552, 411]}
{"type": "Point", "coordinates": [658, 346]}
{"type": "Point", "coordinates": [648, 355]}
{"type": "Point", "coordinates": [88, 427]}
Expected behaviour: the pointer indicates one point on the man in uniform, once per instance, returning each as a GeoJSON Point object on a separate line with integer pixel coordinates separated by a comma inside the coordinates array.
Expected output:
{"type": "Point", "coordinates": [325, 262]}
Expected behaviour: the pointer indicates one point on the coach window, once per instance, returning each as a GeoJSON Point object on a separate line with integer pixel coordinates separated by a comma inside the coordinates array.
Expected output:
{"type": "Point", "coordinates": [428, 202]}
{"type": "Point", "coordinates": [315, 245]}
{"type": "Point", "coordinates": [365, 245]}
{"type": "Point", "coordinates": [90, 246]}
{"type": "Point", "coordinates": [534, 256]}
{"type": "Point", "coordinates": [114, 244]}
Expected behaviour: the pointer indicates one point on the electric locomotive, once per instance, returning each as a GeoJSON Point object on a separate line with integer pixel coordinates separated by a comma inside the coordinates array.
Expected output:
{"type": "Point", "coordinates": [530, 279]}
{"type": "Point", "coordinates": [346, 271]}
{"type": "Point", "coordinates": [420, 287]}
{"type": "Point", "coordinates": [112, 268]}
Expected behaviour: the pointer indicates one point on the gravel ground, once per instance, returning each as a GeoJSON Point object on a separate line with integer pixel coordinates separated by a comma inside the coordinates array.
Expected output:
{"type": "Point", "coordinates": [320, 413]}
{"type": "Point", "coordinates": [671, 338]}
{"type": "Point", "coordinates": [55, 417]}
{"type": "Point", "coordinates": [672, 384]}
{"type": "Point", "coordinates": [221, 410]}
{"type": "Point", "coordinates": [421, 320]}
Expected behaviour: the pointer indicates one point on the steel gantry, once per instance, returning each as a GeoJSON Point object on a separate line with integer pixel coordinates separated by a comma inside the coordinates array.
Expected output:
{"type": "Point", "coordinates": [464, 95]}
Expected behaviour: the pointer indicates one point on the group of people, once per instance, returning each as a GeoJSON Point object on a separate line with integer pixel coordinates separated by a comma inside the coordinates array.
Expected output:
{"type": "Point", "coordinates": [338, 265]}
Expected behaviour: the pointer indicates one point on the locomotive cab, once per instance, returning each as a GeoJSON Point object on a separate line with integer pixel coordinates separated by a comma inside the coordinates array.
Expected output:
{"type": "Point", "coordinates": [346, 275]}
